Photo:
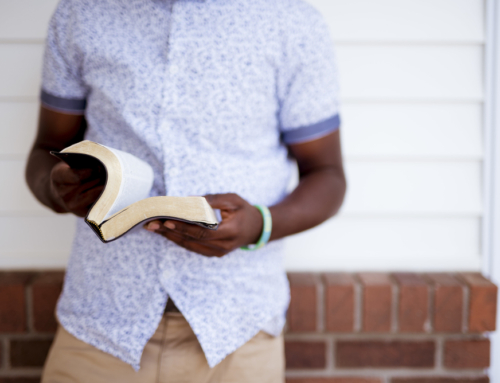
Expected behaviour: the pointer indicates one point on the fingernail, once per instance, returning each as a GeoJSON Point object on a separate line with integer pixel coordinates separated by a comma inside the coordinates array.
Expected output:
{"type": "Point", "coordinates": [169, 225]}
{"type": "Point", "coordinates": [152, 226]}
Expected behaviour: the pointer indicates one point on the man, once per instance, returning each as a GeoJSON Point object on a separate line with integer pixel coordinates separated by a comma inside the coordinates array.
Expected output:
{"type": "Point", "coordinates": [216, 96]}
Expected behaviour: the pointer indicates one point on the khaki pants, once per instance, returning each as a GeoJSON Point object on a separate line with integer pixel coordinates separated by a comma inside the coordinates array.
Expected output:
{"type": "Point", "coordinates": [172, 355]}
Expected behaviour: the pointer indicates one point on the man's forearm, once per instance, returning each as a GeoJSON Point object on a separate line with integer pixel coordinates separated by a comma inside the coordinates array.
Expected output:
{"type": "Point", "coordinates": [55, 132]}
{"type": "Point", "coordinates": [318, 197]}
{"type": "Point", "coordinates": [40, 164]}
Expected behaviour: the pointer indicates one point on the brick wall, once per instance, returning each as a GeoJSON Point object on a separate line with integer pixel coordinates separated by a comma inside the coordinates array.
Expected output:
{"type": "Point", "coordinates": [397, 328]}
{"type": "Point", "coordinates": [342, 328]}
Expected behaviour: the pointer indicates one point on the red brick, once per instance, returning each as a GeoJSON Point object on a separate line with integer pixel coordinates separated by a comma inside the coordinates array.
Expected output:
{"type": "Point", "coordinates": [413, 310]}
{"type": "Point", "coordinates": [336, 379]}
{"type": "Point", "coordinates": [13, 301]}
{"type": "Point", "coordinates": [19, 379]}
{"type": "Point", "coordinates": [305, 355]}
{"type": "Point", "coordinates": [482, 303]}
{"type": "Point", "coordinates": [377, 302]}
{"type": "Point", "coordinates": [383, 354]}
{"type": "Point", "coordinates": [441, 379]}
{"type": "Point", "coordinates": [29, 353]}
{"type": "Point", "coordinates": [339, 302]}
{"type": "Point", "coordinates": [448, 302]}
{"type": "Point", "coordinates": [302, 313]}
{"type": "Point", "coordinates": [460, 354]}
{"type": "Point", "coordinates": [45, 291]}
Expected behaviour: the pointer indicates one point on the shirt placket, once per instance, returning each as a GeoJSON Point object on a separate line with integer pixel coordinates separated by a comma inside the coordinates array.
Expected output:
{"type": "Point", "coordinates": [167, 130]}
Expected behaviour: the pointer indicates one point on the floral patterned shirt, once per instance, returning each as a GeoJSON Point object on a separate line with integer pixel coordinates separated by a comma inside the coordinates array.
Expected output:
{"type": "Point", "coordinates": [208, 93]}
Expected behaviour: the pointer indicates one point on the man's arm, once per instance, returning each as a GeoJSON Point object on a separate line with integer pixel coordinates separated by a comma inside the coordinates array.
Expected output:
{"type": "Point", "coordinates": [320, 191]}
{"type": "Point", "coordinates": [53, 182]}
{"type": "Point", "coordinates": [318, 196]}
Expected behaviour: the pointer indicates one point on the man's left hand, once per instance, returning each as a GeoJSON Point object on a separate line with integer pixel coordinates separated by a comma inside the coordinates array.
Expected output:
{"type": "Point", "coordinates": [241, 225]}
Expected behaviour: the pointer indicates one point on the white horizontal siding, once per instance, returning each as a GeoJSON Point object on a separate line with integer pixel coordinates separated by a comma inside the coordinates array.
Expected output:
{"type": "Point", "coordinates": [368, 72]}
{"type": "Point", "coordinates": [412, 131]}
{"type": "Point", "coordinates": [18, 127]}
{"type": "Point", "coordinates": [25, 19]}
{"type": "Point", "coordinates": [20, 70]}
{"type": "Point", "coordinates": [404, 20]}
{"type": "Point", "coordinates": [369, 130]}
{"type": "Point", "coordinates": [378, 187]}
{"type": "Point", "coordinates": [343, 243]}
{"type": "Point", "coordinates": [15, 231]}
{"type": "Point", "coordinates": [419, 188]}
{"type": "Point", "coordinates": [17, 198]}
{"type": "Point", "coordinates": [410, 72]}
{"type": "Point", "coordinates": [411, 82]}
{"type": "Point", "coordinates": [372, 243]}
{"type": "Point", "coordinates": [36, 241]}
{"type": "Point", "coordinates": [353, 20]}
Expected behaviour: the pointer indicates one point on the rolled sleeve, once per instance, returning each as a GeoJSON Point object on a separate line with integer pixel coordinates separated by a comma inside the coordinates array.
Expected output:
{"type": "Point", "coordinates": [63, 88]}
{"type": "Point", "coordinates": [308, 84]}
{"type": "Point", "coordinates": [311, 132]}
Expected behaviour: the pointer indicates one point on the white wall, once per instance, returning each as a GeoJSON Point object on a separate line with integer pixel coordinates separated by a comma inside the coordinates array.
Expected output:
{"type": "Point", "coordinates": [411, 75]}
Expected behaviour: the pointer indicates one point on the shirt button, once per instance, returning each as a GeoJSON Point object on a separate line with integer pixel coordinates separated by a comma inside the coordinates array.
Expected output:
{"type": "Point", "coordinates": [174, 69]}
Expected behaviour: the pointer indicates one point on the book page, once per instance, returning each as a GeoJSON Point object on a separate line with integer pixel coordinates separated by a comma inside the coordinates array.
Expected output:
{"type": "Point", "coordinates": [137, 181]}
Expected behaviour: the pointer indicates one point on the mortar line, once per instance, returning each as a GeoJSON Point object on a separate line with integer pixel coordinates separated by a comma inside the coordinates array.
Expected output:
{"type": "Point", "coordinates": [24, 372]}
{"type": "Point", "coordinates": [385, 373]}
{"type": "Point", "coordinates": [429, 322]}
{"type": "Point", "coordinates": [330, 354]}
{"type": "Point", "coordinates": [439, 353]}
{"type": "Point", "coordinates": [382, 336]}
{"type": "Point", "coordinates": [29, 308]}
{"type": "Point", "coordinates": [320, 303]}
{"type": "Point", "coordinates": [465, 308]}
{"type": "Point", "coordinates": [395, 298]}
{"type": "Point", "coordinates": [358, 304]}
{"type": "Point", "coordinates": [6, 353]}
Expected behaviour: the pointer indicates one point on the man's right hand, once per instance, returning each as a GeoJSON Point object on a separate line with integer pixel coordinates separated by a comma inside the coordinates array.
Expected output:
{"type": "Point", "coordinates": [75, 190]}
{"type": "Point", "coordinates": [53, 182]}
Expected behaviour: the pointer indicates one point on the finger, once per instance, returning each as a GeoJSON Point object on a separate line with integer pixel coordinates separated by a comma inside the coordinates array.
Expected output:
{"type": "Point", "coordinates": [64, 174]}
{"type": "Point", "coordinates": [228, 201]}
{"type": "Point", "coordinates": [91, 195]}
{"type": "Point", "coordinates": [217, 245]}
{"type": "Point", "coordinates": [190, 230]}
{"type": "Point", "coordinates": [91, 184]}
{"type": "Point", "coordinates": [85, 173]}
{"type": "Point", "coordinates": [68, 176]}
{"type": "Point", "coordinates": [153, 225]}
{"type": "Point", "coordinates": [68, 192]}
{"type": "Point", "coordinates": [226, 231]}
{"type": "Point", "coordinates": [82, 203]}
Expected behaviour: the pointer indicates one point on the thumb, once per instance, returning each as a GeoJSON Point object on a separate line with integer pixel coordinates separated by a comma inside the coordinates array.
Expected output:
{"type": "Point", "coordinates": [223, 201]}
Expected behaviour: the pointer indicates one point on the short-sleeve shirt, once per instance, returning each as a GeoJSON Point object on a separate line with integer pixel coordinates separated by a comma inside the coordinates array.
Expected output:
{"type": "Point", "coordinates": [209, 93]}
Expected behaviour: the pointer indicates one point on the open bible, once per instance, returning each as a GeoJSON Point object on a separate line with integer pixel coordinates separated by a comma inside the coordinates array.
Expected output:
{"type": "Point", "coordinates": [123, 204]}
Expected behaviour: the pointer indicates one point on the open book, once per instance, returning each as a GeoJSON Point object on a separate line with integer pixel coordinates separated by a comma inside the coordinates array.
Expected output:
{"type": "Point", "coordinates": [123, 204]}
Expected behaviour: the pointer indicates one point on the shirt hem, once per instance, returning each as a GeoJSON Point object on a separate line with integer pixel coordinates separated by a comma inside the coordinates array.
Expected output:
{"type": "Point", "coordinates": [134, 362]}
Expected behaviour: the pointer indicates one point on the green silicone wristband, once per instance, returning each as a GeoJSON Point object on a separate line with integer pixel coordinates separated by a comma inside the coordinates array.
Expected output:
{"type": "Point", "coordinates": [266, 229]}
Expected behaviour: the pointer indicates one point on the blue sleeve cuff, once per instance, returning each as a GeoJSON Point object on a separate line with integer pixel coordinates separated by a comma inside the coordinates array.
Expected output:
{"type": "Point", "coordinates": [311, 132]}
{"type": "Point", "coordinates": [63, 105]}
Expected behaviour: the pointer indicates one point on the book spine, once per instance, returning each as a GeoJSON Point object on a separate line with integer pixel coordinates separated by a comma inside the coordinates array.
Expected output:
{"type": "Point", "coordinates": [96, 229]}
